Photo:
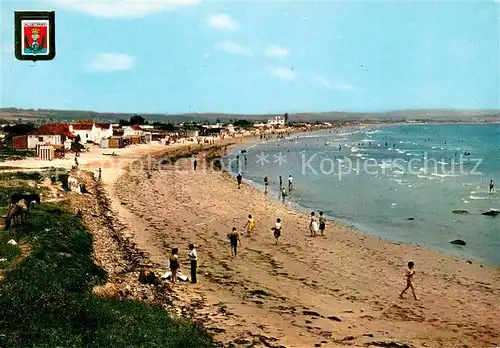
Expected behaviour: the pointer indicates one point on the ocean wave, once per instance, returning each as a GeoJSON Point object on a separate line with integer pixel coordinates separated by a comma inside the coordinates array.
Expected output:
{"type": "Point", "coordinates": [444, 175]}
{"type": "Point", "coordinates": [478, 197]}
{"type": "Point", "coordinates": [374, 132]}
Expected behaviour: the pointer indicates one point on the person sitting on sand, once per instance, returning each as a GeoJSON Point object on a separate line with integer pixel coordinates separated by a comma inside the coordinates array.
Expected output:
{"type": "Point", "coordinates": [250, 225]}
{"type": "Point", "coordinates": [492, 187]}
{"type": "Point", "coordinates": [277, 229]}
{"type": "Point", "coordinates": [410, 272]}
{"type": "Point", "coordinates": [234, 239]}
{"type": "Point", "coordinates": [238, 179]}
{"type": "Point", "coordinates": [322, 223]}
{"type": "Point", "coordinates": [313, 225]}
{"type": "Point", "coordinates": [174, 264]}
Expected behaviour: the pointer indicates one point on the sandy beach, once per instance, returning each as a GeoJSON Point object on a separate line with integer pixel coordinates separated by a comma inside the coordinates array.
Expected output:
{"type": "Point", "coordinates": [341, 290]}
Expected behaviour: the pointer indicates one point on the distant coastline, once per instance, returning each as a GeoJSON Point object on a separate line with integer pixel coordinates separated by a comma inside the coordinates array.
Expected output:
{"type": "Point", "coordinates": [424, 115]}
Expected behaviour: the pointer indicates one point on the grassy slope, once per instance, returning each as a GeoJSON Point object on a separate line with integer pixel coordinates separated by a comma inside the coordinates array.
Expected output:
{"type": "Point", "coordinates": [46, 298]}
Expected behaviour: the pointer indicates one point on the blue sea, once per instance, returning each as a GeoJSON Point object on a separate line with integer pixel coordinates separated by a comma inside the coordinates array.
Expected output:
{"type": "Point", "coordinates": [378, 178]}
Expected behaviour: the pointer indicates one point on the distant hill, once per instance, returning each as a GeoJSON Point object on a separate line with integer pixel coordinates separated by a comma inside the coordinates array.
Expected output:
{"type": "Point", "coordinates": [442, 115]}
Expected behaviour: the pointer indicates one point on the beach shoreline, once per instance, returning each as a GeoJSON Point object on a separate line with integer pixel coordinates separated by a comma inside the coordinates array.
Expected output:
{"type": "Point", "coordinates": [304, 292]}
{"type": "Point", "coordinates": [277, 285]}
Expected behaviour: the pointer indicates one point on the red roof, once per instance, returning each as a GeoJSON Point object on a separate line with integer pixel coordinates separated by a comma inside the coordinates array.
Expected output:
{"type": "Point", "coordinates": [136, 127]}
{"type": "Point", "coordinates": [103, 125]}
{"type": "Point", "coordinates": [54, 129]}
{"type": "Point", "coordinates": [82, 126]}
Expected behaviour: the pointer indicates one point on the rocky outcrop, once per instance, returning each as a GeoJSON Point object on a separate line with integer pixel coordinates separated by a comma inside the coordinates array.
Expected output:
{"type": "Point", "coordinates": [458, 242]}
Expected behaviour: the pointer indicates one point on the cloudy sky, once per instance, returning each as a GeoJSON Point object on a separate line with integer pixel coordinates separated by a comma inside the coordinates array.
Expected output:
{"type": "Point", "coordinates": [258, 57]}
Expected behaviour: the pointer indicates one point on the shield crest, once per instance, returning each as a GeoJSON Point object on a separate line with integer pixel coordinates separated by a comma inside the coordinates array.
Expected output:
{"type": "Point", "coordinates": [35, 37]}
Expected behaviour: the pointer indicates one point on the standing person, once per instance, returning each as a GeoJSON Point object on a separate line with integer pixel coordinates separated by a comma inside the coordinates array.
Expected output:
{"type": "Point", "coordinates": [277, 229]}
{"type": "Point", "coordinates": [76, 162]}
{"type": "Point", "coordinates": [234, 239]}
{"type": "Point", "coordinates": [281, 181]}
{"type": "Point", "coordinates": [283, 194]}
{"type": "Point", "coordinates": [99, 173]}
{"type": "Point", "coordinates": [195, 164]}
{"type": "Point", "coordinates": [290, 181]}
{"type": "Point", "coordinates": [174, 264]}
{"type": "Point", "coordinates": [266, 183]}
{"type": "Point", "coordinates": [193, 258]}
{"type": "Point", "coordinates": [250, 225]}
{"type": "Point", "coordinates": [322, 223]}
{"type": "Point", "coordinates": [492, 187]}
{"type": "Point", "coordinates": [313, 225]}
{"type": "Point", "coordinates": [410, 272]}
{"type": "Point", "coordinates": [238, 179]}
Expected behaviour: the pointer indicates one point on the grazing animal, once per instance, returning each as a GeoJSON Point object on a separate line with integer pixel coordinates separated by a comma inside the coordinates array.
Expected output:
{"type": "Point", "coordinates": [18, 212]}
{"type": "Point", "coordinates": [28, 197]}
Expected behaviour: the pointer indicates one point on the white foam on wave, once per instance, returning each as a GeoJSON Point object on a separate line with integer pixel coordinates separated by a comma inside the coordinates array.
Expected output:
{"type": "Point", "coordinates": [478, 197]}
{"type": "Point", "coordinates": [443, 175]}
{"type": "Point", "coordinates": [398, 172]}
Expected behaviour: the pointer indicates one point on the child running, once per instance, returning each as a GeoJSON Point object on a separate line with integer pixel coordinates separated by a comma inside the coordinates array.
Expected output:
{"type": "Point", "coordinates": [410, 272]}
{"type": "Point", "coordinates": [234, 239]}
{"type": "Point", "coordinates": [277, 229]}
{"type": "Point", "coordinates": [322, 223]}
{"type": "Point", "coordinates": [250, 225]}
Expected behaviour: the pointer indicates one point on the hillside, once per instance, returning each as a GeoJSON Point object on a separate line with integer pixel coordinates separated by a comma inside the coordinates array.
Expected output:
{"type": "Point", "coordinates": [442, 115]}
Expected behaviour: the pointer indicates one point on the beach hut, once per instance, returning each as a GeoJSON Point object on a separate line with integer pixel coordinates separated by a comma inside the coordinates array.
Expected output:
{"type": "Point", "coordinates": [45, 152]}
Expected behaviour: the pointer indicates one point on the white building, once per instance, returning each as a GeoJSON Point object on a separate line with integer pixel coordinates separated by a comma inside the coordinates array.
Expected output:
{"type": "Point", "coordinates": [129, 131]}
{"type": "Point", "coordinates": [89, 131]}
{"type": "Point", "coordinates": [276, 121]}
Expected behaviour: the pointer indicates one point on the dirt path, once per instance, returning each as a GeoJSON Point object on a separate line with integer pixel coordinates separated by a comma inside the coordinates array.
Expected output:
{"type": "Point", "coordinates": [304, 292]}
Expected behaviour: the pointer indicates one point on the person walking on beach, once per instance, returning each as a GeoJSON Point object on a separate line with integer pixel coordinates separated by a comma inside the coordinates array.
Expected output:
{"type": "Point", "coordinates": [238, 179]}
{"type": "Point", "coordinates": [322, 223]}
{"type": "Point", "coordinates": [99, 171]}
{"type": "Point", "coordinates": [277, 229]}
{"type": "Point", "coordinates": [281, 181]}
{"type": "Point", "coordinates": [195, 164]}
{"type": "Point", "coordinates": [266, 183]}
{"type": "Point", "coordinates": [290, 181]}
{"type": "Point", "coordinates": [174, 264]}
{"type": "Point", "coordinates": [250, 225]}
{"type": "Point", "coordinates": [193, 259]}
{"type": "Point", "coordinates": [492, 187]}
{"type": "Point", "coordinates": [410, 272]}
{"type": "Point", "coordinates": [283, 194]}
{"type": "Point", "coordinates": [234, 239]}
{"type": "Point", "coordinates": [313, 225]}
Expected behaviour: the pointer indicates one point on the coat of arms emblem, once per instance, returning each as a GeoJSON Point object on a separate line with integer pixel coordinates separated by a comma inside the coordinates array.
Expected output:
{"type": "Point", "coordinates": [34, 33]}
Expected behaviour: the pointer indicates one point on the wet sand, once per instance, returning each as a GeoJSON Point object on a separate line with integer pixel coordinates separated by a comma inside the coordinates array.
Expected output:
{"type": "Point", "coordinates": [334, 291]}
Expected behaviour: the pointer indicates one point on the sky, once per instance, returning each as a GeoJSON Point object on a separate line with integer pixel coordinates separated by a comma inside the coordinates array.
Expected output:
{"type": "Point", "coordinates": [252, 57]}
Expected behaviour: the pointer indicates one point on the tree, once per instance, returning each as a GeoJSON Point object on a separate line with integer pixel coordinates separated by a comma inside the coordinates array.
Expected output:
{"type": "Point", "coordinates": [286, 117]}
{"type": "Point", "coordinates": [137, 120]}
{"type": "Point", "coordinates": [123, 123]}
{"type": "Point", "coordinates": [17, 129]}
{"type": "Point", "coordinates": [243, 124]}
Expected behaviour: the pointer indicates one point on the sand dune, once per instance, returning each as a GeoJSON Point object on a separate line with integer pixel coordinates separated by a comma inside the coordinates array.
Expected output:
{"type": "Point", "coordinates": [341, 290]}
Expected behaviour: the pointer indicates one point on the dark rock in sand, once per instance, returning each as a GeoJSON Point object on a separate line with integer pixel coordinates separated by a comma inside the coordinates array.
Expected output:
{"type": "Point", "coordinates": [458, 242]}
{"type": "Point", "coordinates": [348, 338]}
{"type": "Point", "coordinates": [458, 211]}
{"type": "Point", "coordinates": [334, 318]}
{"type": "Point", "coordinates": [311, 313]}
{"type": "Point", "coordinates": [391, 344]}
{"type": "Point", "coordinates": [259, 292]}
{"type": "Point", "coordinates": [469, 262]}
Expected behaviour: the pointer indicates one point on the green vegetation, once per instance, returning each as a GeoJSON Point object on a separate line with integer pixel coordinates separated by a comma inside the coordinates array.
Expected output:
{"type": "Point", "coordinates": [46, 297]}
{"type": "Point", "coordinates": [8, 154]}
{"type": "Point", "coordinates": [36, 176]}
